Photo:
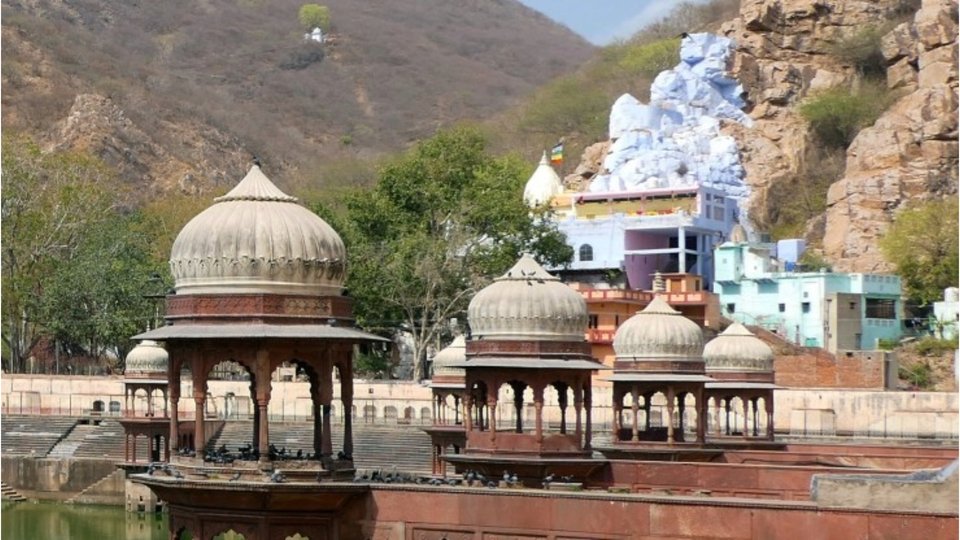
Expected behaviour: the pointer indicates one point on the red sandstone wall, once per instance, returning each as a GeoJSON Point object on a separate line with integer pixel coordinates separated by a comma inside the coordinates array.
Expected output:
{"type": "Point", "coordinates": [424, 514]}
{"type": "Point", "coordinates": [823, 370]}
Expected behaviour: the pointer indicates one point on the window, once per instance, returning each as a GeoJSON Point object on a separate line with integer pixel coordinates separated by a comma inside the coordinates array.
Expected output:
{"type": "Point", "coordinates": [853, 305]}
{"type": "Point", "coordinates": [782, 307]}
{"type": "Point", "coordinates": [879, 308]}
{"type": "Point", "coordinates": [594, 321]}
{"type": "Point", "coordinates": [586, 252]}
{"type": "Point", "coordinates": [731, 308]}
{"type": "Point", "coordinates": [805, 307]}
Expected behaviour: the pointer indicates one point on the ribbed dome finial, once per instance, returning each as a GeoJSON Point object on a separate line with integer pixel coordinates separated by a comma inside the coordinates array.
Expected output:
{"type": "Point", "coordinates": [737, 349]}
{"type": "Point", "coordinates": [257, 239]}
{"type": "Point", "coordinates": [528, 303]}
{"type": "Point", "coordinates": [147, 358]}
{"type": "Point", "coordinates": [659, 332]}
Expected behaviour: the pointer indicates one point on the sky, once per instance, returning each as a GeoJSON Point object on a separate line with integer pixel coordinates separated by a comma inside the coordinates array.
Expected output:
{"type": "Point", "coordinates": [603, 21]}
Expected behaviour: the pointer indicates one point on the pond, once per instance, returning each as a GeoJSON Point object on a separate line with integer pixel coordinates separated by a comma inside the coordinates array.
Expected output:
{"type": "Point", "coordinates": [48, 520]}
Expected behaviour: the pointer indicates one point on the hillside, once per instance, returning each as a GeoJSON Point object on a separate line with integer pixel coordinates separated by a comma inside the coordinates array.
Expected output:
{"type": "Point", "coordinates": [178, 94]}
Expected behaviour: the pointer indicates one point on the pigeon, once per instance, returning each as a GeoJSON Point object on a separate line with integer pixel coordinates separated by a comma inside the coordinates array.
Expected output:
{"type": "Point", "coordinates": [177, 474]}
{"type": "Point", "coordinates": [277, 477]}
{"type": "Point", "coordinates": [491, 484]}
{"type": "Point", "coordinates": [236, 476]}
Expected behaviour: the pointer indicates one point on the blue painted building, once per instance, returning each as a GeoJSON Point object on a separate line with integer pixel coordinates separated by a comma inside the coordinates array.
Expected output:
{"type": "Point", "coordinates": [834, 311]}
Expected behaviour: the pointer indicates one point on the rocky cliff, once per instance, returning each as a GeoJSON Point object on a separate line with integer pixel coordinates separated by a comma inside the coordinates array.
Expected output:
{"type": "Point", "coordinates": [787, 52]}
{"type": "Point", "coordinates": [910, 153]}
{"type": "Point", "coordinates": [790, 50]}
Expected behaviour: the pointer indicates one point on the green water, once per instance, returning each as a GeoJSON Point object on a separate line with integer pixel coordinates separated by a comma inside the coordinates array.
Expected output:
{"type": "Point", "coordinates": [46, 520]}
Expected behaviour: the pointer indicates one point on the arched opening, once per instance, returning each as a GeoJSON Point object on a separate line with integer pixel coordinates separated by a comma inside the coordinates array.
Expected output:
{"type": "Point", "coordinates": [184, 534]}
{"type": "Point", "coordinates": [229, 535]}
{"type": "Point", "coordinates": [477, 411]}
{"type": "Point", "coordinates": [409, 414]}
{"type": "Point", "coordinates": [369, 413]}
{"type": "Point", "coordinates": [586, 253]}
{"type": "Point", "coordinates": [390, 414]}
{"type": "Point", "coordinates": [97, 407]}
{"type": "Point", "coordinates": [425, 414]}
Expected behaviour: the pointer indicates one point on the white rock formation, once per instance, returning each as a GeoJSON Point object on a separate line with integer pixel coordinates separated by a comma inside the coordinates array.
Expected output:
{"type": "Point", "coordinates": [675, 141]}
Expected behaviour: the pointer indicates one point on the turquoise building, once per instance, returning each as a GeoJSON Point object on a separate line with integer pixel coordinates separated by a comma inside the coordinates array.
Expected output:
{"type": "Point", "coordinates": [835, 311]}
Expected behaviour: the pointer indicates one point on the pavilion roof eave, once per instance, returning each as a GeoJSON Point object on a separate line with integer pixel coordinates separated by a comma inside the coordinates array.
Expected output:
{"type": "Point", "coordinates": [658, 377]}
{"type": "Point", "coordinates": [257, 331]}
{"type": "Point", "coordinates": [529, 363]}
{"type": "Point", "coordinates": [745, 385]}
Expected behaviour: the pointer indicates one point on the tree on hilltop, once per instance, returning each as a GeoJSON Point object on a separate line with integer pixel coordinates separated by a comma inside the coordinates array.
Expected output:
{"type": "Point", "coordinates": [314, 16]}
{"type": "Point", "coordinates": [443, 220]}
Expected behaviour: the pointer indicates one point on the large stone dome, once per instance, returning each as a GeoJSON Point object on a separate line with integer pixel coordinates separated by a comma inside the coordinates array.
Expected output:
{"type": "Point", "coordinates": [146, 359]}
{"type": "Point", "coordinates": [736, 349]}
{"type": "Point", "coordinates": [257, 239]}
{"type": "Point", "coordinates": [455, 353]}
{"type": "Point", "coordinates": [659, 332]}
{"type": "Point", "coordinates": [527, 303]}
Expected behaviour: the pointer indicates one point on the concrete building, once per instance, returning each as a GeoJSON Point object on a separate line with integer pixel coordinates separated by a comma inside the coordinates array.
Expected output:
{"type": "Point", "coordinates": [639, 233]}
{"type": "Point", "coordinates": [835, 311]}
{"type": "Point", "coordinates": [946, 314]}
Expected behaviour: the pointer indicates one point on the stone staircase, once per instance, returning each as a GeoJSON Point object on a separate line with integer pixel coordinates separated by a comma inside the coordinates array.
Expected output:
{"type": "Point", "coordinates": [33, 435]}
{"type": "Point", "coordinates": [375, 447]}
{"type": "Point", "coordinates": [7, 493]}
{"type": "Point", "coordinates": [69, 444]}
{"type": "Point", "coordinates": [105, 441]}
{"type": "Point", "coordinates": [103, 491]}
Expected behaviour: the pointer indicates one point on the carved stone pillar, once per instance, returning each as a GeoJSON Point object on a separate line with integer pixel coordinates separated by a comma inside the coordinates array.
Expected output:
{"type": "Point", "coordinates": [635, 408]}
{"type": "Point", "coordinates": [702, 411]}
{"type": "Point", "coordinates": [768, 405]}
{"type": "Point", "coordinates": [562, 403]}
{"type": "Point", "coordinates": [588, 407]}
{"type": "Point", "coordinates": [670, 407]}
{"type": "Point", "coordinates": [518, 406]}
{"type": "Point", "coordinates": [538, 407]}
{"type": "Point", "coordinates": [346, 400]}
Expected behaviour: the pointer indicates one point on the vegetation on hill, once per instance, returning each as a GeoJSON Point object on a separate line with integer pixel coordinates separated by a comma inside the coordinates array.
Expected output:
{"type": "Point", "coordinates": [183, 72]}
{"type": "Point", "coordinates": [577, 106]}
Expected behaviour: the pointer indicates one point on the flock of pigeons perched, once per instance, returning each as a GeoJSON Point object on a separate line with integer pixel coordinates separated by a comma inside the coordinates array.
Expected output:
{"type": "Point", "coordinates": [469, 478]}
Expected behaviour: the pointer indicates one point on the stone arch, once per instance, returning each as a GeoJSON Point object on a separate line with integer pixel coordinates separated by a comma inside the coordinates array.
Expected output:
{"type": "Point", "coordinates": [409, 414]}
{"type": "Point", "coordinates": [229, 535]}
{"type": "Point", "coordinates": [185, 534]}
{"type": "Point", "coordinates": [390, 414]}
{"type": "Point", "coordinates": [369, 412]}
{"type": "Point", "coordinates": [98, 406]}
{"type": "Point", "coordinates": [425, 414]}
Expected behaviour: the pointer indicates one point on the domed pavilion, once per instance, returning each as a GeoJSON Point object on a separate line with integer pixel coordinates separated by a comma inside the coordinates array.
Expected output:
{"type": "Point", "coordinates": [527, 344]}
{"type": "Point", "coordinates": [741, 366]}
{"type": "Point", "coordinates": [259, 283]}
{"type": "Point", "coordinates": [658, 351]}
{"type": "Point", "coordinates": [447, 385]}
{"type": "Point", "coordinates": [145, 378]}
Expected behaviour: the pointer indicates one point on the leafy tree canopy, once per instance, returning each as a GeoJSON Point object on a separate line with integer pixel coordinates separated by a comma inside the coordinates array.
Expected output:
{"type": "Point", "coordinates": [922, 244]}
{"type": "Point", "coordinates": [314, 15]}
{"type": "Point", "coordinates": [442, 221]}
{"type": "Point", "coordinates": [73, 267]}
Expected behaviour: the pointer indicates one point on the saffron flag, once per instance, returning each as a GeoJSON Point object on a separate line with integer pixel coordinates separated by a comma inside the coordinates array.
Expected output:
{"type": "Point", "coordinates": [556, 155]}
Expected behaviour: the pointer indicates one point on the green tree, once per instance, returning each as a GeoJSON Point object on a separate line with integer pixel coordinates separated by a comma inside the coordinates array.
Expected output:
{"type": "Point", "coordinates": [49, 202]}
{"type": "Point", "coordinates": [314, 15]}
{"type": "Point", "coordinates": [95, 302]}
{"type": "Point", "coordinates": [922, 244]}
{"type": "Point", "coordinates": [442, 221]}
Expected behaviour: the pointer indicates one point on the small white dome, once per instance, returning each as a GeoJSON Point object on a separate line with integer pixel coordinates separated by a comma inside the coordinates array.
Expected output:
{"type": "Point", "coordinates": [527, 303]}
{"type": "Point", "coordinates": [257, 239]}
{"type": "Point", "coordinates": [659, 332]}
{"type": "Point", "coordinates": [543, 184]}
{"type": "Point", "coordinates": [737, 349]}
{"type": "Point", "coordinates": [454, 353]}
{"type": "Point", "coordinates": [147, 358]}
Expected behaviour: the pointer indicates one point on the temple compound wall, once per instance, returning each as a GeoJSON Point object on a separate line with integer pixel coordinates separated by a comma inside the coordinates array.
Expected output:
{"type": "Point", "coordinates": [496, 515]}
{"type": "Point", "coordinates": [801, 412]}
